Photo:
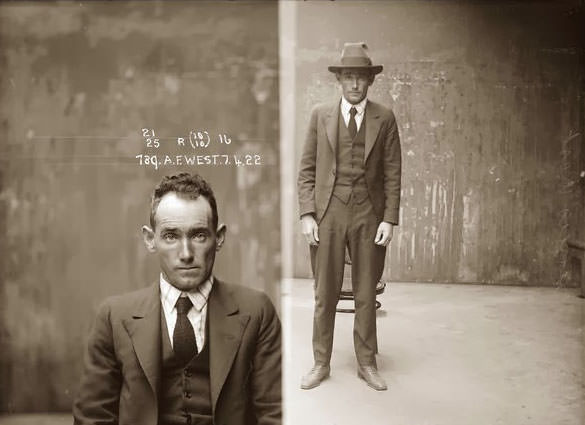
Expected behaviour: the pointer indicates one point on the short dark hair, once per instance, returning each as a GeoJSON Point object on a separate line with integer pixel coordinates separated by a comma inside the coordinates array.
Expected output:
{"type": "Point", "coordinates": [185, 185]}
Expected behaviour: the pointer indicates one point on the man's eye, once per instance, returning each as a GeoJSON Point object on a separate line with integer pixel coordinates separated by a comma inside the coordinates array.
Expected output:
{"type": "Point", "coordinates": [201, 236]}
{"type": "Point", "coordinates": [350, 77]}
{"type": "Point", "coordinates": [169, 237]}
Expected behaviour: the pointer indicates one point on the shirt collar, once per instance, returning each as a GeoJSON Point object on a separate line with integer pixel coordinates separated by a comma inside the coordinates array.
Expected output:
{"type": "Point", "coordinates": [346, 106]}
{"type": "Point", "coordinates": [169, 294]}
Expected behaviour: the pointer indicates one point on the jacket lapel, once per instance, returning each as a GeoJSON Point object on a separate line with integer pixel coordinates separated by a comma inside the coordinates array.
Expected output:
{"type": "Point", "coordinates": [144, 330]}
{"type": "Point", "coordinates": [226, 327]}
{"type": "Point", "coordinates": [373, 123]}
{"type": "Point", "coordinates": [331, 125]}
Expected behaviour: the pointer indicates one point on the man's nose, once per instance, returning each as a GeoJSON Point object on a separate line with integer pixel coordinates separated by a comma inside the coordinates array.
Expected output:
{"type": "Point", "coordinates": [354, 83]}
{"type": "Point", "coordinates": [186, 251]}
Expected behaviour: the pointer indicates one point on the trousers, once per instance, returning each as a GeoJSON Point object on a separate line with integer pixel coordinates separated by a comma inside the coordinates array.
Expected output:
{"type": "Point", "coordinates": [352, 225]}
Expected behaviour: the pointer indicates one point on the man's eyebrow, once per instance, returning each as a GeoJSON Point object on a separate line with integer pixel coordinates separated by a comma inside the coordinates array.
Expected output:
{"type": "Point", "coordinates": [199, 229]}
{"type": "Point", "coordinates": [169, 229]}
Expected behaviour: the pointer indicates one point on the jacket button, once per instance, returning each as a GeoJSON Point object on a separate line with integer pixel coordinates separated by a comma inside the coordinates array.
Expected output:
{"type": "Point", "coordinates": [187, 394]}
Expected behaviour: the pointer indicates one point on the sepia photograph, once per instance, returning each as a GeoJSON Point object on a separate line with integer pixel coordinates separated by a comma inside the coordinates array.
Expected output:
{"type": "Point", "coordinates": [139, 187]}
{"type": "Point", "coordinates": [436, 219]}
{"type": "Point", "coordinates": [298, 212]}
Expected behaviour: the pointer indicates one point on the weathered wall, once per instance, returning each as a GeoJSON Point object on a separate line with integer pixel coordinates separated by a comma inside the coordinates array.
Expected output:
{"type": "Point", "coordinates": [78, 83]}
{"type": "Point", "coordinates": [487, 99]}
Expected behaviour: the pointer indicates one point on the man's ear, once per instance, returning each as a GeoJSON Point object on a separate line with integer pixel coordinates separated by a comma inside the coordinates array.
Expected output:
{"type": "Point", "coordinates": [148, 237]}
{"type": "Point", "coordinates": [220, 235]}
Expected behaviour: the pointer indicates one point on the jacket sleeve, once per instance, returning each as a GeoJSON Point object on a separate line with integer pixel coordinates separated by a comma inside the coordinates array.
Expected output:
{"type": "Point", "coordinates": [99, 395]}
{"type": "Point", "coordinates": [306, 178]}
{"type": "Point", "coordinates": [392, 171]}
{"type": "Point", "coordinates": [267, 368]}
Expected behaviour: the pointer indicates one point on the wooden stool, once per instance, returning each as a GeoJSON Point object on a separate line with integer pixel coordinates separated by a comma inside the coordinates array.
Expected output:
{"type": "Point", "coordinates": [577, 252]}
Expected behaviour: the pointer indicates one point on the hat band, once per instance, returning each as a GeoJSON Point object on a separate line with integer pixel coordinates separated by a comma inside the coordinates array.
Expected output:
{"type": "Point", "coordinates": [355, 61]}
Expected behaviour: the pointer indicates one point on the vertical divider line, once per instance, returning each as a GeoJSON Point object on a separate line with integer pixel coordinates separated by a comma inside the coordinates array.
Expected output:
{"type": "Point", "coordinates": [287, 24]}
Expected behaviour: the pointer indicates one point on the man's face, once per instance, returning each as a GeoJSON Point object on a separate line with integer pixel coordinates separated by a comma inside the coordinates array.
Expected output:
{"type": "Point", "coordinates": [184, 240]}
{"type": "Point", "coordinates": [354, 84]}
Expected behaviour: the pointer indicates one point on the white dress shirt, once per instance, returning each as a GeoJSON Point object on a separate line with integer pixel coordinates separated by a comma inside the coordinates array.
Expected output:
{"type": "Point", "coordinates": [197, 315]}
{"type": "Point", "coordinates": [359, 116]}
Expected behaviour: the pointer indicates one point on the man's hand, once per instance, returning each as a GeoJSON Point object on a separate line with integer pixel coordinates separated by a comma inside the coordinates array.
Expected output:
{"type": "Point", "coordinates": [384, 233]}
{"type": "Point", "coordinates": [310, 229]}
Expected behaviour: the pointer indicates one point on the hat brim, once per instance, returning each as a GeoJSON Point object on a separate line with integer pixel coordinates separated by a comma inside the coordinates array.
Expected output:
{"type": "Point", "coordinates": [376, 69]}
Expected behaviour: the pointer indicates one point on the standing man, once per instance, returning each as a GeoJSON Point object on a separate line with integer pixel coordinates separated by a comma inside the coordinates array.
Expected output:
{"type": "Point", "coordinates": [349, 196]}
{"type": "Point", "coordinates": [190, 349]}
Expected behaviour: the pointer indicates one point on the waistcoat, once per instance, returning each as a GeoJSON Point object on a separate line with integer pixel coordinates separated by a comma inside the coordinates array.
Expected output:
{"type": "Point", "coordinates": [185, 396]}
{"type": "Point", "coordinates": [350, 177]}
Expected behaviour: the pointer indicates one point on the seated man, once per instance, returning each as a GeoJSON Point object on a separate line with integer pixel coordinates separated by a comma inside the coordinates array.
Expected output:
{"type": "Point", "coordinates": [190, 349]}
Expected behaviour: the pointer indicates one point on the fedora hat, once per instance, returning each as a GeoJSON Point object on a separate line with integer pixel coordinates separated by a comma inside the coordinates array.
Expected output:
{"type": "Point", "coordinates": [355, 55]}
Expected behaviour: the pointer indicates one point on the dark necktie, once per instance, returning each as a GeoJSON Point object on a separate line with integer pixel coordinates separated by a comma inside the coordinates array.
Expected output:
{"type": "Point", "coordinates": [352, 126]}
{"type": "Point", "coordinates": [184, 342]}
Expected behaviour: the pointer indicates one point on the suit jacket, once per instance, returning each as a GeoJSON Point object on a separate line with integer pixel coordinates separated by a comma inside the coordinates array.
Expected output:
{"type": "Point", "coordinates": [123, 362]}
{"type": "Point", "coordinates": [382, 161]}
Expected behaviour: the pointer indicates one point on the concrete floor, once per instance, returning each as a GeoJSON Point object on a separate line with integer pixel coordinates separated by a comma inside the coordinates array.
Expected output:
{"type": "Point", "coordinates": [37, 419]}
{"type": "Point", "coordinates": [451, 354]}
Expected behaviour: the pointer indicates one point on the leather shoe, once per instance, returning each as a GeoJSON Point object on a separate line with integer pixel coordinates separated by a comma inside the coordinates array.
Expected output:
{"type": "Point", "coordinates": [317, 374]}
{"type": "Point", "coordinates": [372, 377]}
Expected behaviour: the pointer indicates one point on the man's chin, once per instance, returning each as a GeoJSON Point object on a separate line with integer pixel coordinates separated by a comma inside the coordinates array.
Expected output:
{"type": "Point", "coordinates": [187, 284]}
